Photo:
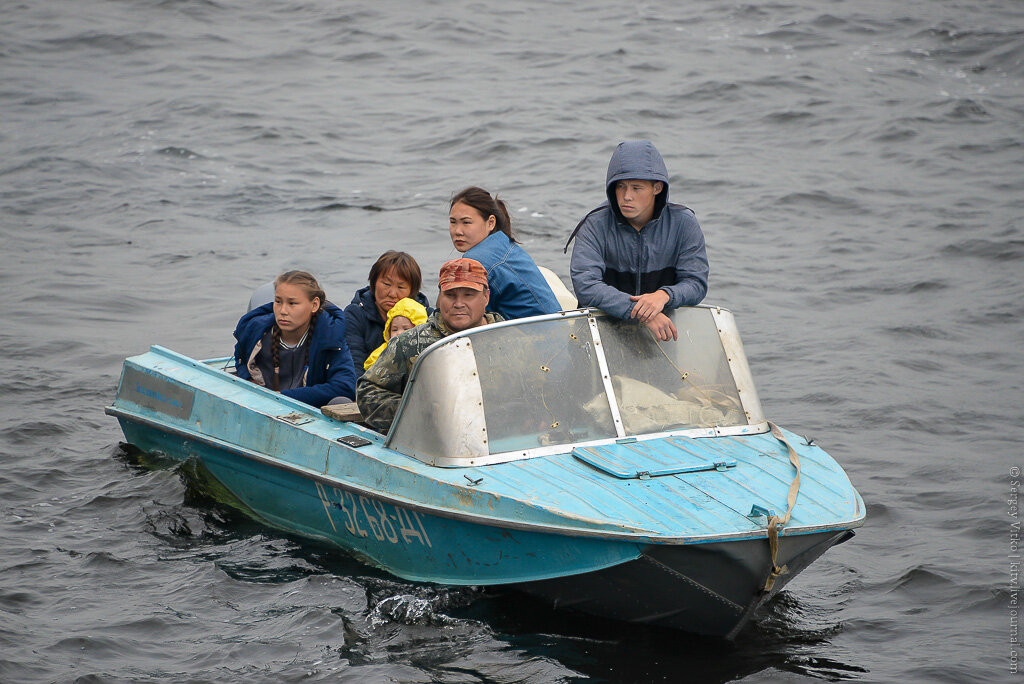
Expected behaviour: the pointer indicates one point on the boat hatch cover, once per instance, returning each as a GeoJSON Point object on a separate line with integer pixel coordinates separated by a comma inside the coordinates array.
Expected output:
{"type": "Point", "coordinates": [643, 460]}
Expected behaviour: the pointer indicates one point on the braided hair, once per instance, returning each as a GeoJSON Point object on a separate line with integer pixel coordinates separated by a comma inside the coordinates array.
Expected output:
{"type": "Point", "coordinates": [275, 355]}
{"type": "Point", "coordinates": [312, 288]}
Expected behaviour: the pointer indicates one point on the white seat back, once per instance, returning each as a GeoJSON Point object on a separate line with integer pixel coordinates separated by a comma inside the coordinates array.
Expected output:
{"type": "Point", "coordinates": [565, 298]}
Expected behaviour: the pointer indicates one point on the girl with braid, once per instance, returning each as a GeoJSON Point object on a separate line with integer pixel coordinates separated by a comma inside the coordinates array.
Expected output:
{"type": "Point", "coordinates": [296, 345]}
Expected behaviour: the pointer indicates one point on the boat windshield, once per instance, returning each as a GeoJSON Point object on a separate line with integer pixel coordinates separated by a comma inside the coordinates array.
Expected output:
{"type": "Point", "coordinates": [571, 378]}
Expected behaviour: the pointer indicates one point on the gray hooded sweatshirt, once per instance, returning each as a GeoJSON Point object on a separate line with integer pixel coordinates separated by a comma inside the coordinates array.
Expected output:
{"type": "Point", "coordinates": [611, 260]}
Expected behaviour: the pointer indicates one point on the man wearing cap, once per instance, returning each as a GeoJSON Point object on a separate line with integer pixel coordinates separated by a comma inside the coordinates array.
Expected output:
{"type": "Point", "coordinates": [636, 254]}
{"type": "Point", "coordinates": [461, 305]}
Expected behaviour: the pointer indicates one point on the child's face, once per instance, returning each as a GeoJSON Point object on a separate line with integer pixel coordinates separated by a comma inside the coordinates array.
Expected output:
{"type": "Point", "coordinates": [399, 324]}
{"type": "Point", "coordinates": [293, 308]}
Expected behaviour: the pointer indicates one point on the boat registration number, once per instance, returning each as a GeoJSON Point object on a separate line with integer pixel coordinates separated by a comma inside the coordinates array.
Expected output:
{"type": "Point", "coordinates": [363, 517]}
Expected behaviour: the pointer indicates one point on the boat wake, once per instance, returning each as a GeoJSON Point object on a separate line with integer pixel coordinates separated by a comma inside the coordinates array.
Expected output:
{"type": "Point", "coordinates": [392, 602]}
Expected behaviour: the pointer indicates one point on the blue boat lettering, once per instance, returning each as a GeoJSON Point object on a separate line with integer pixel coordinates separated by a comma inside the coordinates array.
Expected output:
{"type": "Point", "coordinates": [386, 522]}
{"type": "Point", "coordinates": [155, 394]}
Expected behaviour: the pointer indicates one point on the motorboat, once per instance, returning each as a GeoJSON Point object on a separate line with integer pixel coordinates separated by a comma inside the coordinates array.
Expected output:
{"type": "Point", "coordinates": [572, 456]}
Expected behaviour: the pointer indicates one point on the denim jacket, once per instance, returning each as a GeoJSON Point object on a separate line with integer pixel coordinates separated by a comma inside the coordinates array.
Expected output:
{"type": "Point", "coordinates": [517, 287]}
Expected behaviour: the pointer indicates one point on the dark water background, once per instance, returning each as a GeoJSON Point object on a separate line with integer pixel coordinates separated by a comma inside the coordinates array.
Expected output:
{"type": "Point", "coordinates": [858, 170]}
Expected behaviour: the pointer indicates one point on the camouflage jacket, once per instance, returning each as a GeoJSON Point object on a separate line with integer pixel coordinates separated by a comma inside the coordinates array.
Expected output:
{"type": "Point", "coordinates": [379, 390]}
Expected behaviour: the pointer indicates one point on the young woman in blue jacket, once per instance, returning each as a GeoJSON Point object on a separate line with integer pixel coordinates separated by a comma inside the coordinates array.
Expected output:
{"type": "Point", "coordinates": [480, 228]}
{"type": "Point", "coordinates": [296, 345]}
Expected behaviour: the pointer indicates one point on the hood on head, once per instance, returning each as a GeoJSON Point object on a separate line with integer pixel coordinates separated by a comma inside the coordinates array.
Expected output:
{"type": "Point", "coordinates": [413, 310]}
{"type": "Point", "coordinates": [639, 160]}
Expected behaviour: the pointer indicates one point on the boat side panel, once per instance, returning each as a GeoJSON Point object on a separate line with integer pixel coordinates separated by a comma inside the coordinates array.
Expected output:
{"type": "Point", "coordinates": [239, 413]}
{"type": "Point", "coordinates": [410, 544]}
{"type": "Point", "coordinates": [550, 490]}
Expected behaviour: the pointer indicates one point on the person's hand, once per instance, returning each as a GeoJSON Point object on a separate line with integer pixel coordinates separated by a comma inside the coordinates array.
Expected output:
{"type": "Point", "coordinates": [648, 305]}
{"type": "Point", "coordinates": [663, 328]}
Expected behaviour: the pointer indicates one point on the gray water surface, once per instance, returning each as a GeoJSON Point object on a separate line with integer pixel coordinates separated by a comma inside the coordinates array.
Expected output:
{"type": "Point", "coordinates": [859, 174]}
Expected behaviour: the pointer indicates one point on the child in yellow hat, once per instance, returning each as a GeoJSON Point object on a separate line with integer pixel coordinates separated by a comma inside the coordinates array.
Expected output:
{"type": "Point", "coordinates": [405, 314]}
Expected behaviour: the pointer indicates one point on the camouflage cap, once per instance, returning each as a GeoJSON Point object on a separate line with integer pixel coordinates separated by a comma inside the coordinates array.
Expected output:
{"type": "Point", "coordinates": [463, 273]}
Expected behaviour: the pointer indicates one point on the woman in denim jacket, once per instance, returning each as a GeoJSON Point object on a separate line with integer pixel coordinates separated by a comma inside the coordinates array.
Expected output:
{"type": "Point", "coordinates": [481, 229]}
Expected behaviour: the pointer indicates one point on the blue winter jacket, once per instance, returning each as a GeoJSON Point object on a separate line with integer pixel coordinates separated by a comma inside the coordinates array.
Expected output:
{"type": "Point", "coordinates": [330, 372]}
{"type": "Point", "coordinates": [517, 287]}
{"type": "Point", "coordinates": [611, 260]}
{"type": "Point", "coordinates": [364, 329]}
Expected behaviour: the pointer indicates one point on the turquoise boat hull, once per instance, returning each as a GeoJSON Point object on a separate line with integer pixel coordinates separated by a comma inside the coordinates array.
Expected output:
{"type": "Point", "coordinates": [406, 541]}
{"type": "Point", "coordinates": [686, 550]}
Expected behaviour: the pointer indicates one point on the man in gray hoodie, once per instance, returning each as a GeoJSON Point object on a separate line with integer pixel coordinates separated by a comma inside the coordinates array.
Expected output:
{"type": "Point", "coordinates": [636, 254]}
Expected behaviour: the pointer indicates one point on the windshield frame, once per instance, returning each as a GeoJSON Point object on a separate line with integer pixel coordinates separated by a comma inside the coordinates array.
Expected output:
{"type": "Point", "coordinates": [734, 355]}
